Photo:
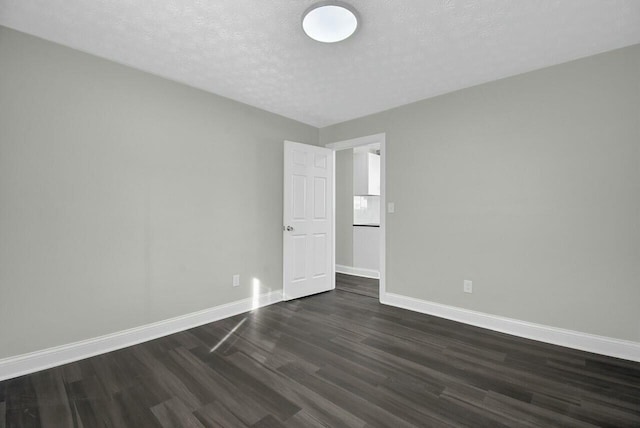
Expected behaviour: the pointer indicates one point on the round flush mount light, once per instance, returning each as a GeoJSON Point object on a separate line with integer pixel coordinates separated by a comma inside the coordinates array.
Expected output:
{"type": "Point", "coordinates": [330, 22]}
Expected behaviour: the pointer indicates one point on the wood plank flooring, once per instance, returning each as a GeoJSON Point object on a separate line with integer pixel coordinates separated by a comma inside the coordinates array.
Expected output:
{"type": "Point", "coordinates": [357, 284]}
{"type": "Point", "coordinates": [336, 359]}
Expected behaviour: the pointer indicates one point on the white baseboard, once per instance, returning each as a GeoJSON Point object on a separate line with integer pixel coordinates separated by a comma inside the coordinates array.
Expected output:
{"type": "Point", "coordinates": [350, 270]}
{"type": "Point", "coordinates": [35, 361]}
{"type": "Point", "coordinates": [618, 348]}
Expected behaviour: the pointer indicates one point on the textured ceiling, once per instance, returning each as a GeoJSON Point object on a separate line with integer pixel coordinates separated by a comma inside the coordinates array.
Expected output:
{"type": "Point", "coordinates": [254, 51]}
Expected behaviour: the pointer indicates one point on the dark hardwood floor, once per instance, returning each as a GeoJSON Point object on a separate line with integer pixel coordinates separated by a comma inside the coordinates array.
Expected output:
{"type": "Point", "coordinates": [357, 284]}
{"type": "Point", "coordinates": [334, 359]}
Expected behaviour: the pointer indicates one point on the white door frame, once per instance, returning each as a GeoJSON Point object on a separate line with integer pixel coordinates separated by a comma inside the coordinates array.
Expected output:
{"type": "Point", "coordinates": [349, 144]}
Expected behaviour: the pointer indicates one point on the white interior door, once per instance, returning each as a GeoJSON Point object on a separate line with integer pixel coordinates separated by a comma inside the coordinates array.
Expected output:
{"type": "Point", "coordinates": [308, 220]}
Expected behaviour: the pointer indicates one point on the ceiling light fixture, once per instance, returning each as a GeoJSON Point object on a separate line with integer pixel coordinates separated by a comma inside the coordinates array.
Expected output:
{"type": "Point", "coordinates": [330, 21]}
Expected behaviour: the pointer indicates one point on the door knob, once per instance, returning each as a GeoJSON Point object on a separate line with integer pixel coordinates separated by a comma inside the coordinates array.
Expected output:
{"type": "Point", "coordinates": [289, 229]}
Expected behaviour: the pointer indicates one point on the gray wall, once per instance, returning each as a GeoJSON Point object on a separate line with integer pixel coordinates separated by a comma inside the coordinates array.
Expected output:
{"type": "Point", "coordinates": [126, 198]}
{"type": "Point", "coordinates": [529, 187]}
{"type": "Point", "coordinates": [344, 207]}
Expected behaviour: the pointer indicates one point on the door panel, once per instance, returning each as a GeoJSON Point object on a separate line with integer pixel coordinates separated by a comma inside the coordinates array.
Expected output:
{"type": "Point", "coordinates": [319, 198]}
{"type": "Point", "coordinates": [307, 216]}
{"type": "Point", "coordinates": [299, 197]}
{"type": "Point", "coordinates": [299, 257]}
{"type": "Point", "coordinates": [319, 254]}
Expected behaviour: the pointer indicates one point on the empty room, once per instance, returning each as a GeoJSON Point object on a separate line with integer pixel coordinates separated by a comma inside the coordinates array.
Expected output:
{"type": "Point", "coordinates": [304, 213]}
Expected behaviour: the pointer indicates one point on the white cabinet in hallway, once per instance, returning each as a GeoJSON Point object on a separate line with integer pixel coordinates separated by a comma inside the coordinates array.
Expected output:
{"type": "Point", "coordinates": [366, 247]}
{"type": "Point", "coordinates": [366, 173]}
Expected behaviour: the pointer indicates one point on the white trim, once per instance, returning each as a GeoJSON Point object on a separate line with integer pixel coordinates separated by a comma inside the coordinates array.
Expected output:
{"type": "Point", "coordinates": [363, 141]}
{"type": "Point", "coordinates": [39, 360]}
{"type": "Point", "coordinates": [350, 270]}
{"type": "Point", "coordinates": [383, 214]}
{"type": "Point", "coordinates": [612, 347]}
{"type": "Point", "coordinates": [332, 271]}
{"type": "Point", "coordinates": [357, 142]}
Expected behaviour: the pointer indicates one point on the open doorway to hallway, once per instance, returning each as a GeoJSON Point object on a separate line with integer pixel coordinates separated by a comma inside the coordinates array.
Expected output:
{"type": "Point", "coordinates": [359, 215]}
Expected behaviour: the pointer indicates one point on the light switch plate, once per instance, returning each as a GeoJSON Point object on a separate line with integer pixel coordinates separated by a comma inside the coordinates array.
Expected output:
{"type": "Point", "coordinates": [468, 286]}
{"type": "Point", "coordinates": [391, 207]}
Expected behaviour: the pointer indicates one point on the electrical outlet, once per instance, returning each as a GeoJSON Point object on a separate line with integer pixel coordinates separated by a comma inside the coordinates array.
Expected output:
{"type": "Point", "coordinates": [468, 286]}
{"type": "Point", "coordinates": [236, 280]}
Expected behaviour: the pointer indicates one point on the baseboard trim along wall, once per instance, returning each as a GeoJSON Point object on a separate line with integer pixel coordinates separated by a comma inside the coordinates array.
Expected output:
{"type": "Point", "coordinates": [39, 360]}
{"type": "Point", "coordinates": [618, 348]}
{"type": "Point", "coordinates": [350, 270]}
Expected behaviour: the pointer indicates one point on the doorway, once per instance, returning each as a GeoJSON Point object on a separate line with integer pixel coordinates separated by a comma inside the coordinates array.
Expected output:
{"type": "Point", "coordinates": [366, 268]}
